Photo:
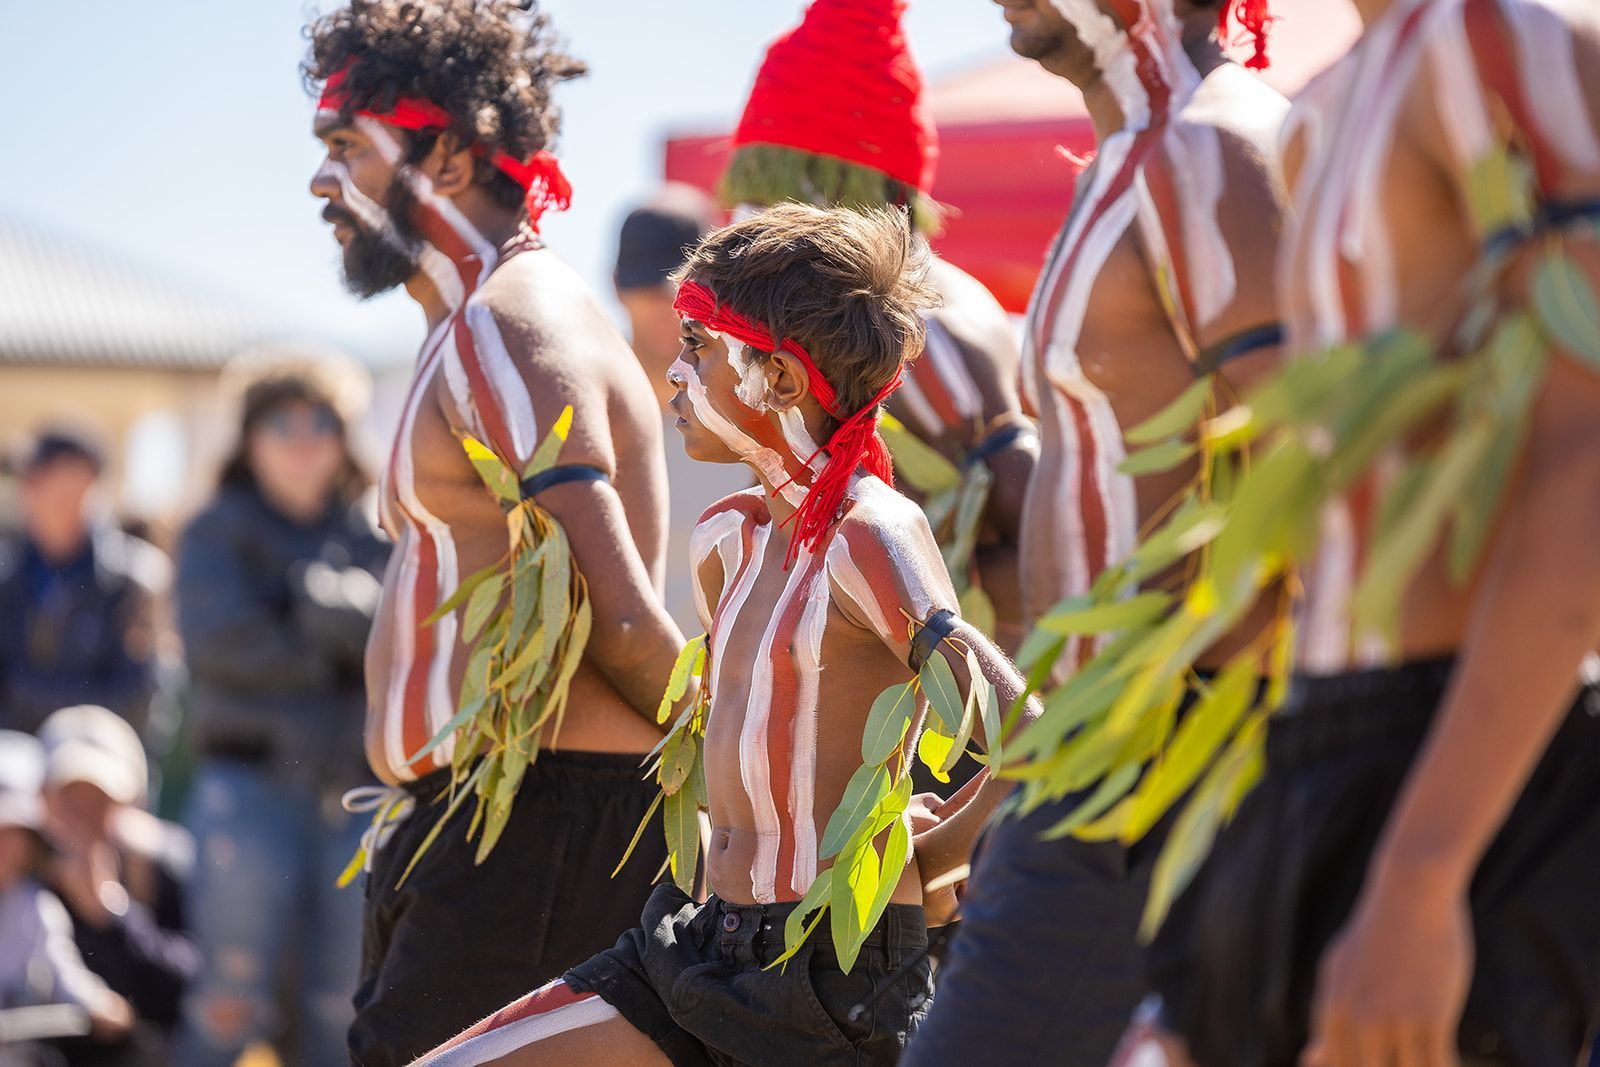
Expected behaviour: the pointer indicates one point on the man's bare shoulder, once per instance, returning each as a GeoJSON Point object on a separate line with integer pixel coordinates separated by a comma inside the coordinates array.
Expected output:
{"type": "Point", "coordinates": [879, 515]}
{"type": "Point", "coordinates": [539, 302]}
{"type": "Point", "coordinates": [1244, 112]}
{"type": "Point", "coordinates": [972, 315]}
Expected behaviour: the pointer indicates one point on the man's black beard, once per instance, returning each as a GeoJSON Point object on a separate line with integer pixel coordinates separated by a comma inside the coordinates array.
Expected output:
{"type": "Point", "coordinates": [376, 261]}
{"type": "Point", "coordinates": [1037, 45]}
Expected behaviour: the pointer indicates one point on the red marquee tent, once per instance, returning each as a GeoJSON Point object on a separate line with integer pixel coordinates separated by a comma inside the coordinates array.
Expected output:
{"type": "Point", "coordinates": [1000, 172]}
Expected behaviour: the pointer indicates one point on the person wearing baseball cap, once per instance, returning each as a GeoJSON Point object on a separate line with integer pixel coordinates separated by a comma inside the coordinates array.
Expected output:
{"type": "Point", "coordinates": [39, 964]}
{"type": "Point", "coordinates": [118, 869]}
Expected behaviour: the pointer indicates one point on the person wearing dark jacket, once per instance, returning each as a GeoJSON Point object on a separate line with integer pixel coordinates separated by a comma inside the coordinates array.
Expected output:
{"type": "Point", "coordinates": [78, 597]}
{"type": "Point", "coordinates": [119, 871]}
{"type": "Point", "coordinates": [277, 582]}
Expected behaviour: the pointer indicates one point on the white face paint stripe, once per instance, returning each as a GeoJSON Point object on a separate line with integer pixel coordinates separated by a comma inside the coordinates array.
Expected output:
{"type": "Point", "coordinates": [765, 460]}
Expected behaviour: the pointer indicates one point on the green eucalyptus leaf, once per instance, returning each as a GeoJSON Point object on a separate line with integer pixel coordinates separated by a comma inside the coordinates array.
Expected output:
{"type": "Point", "coordinates": [866, 788]}
{"type": "Point", "coordinates": [544, 457]}
{"type": "Point", "coordinates": [1178, 417]}
{"type": "Point", "coordinates": [933, 749]}
{"type": "Point", "coordinates": [944, 695]}
{"type": "Point", "coordinates": [481, 606]}
{"type": "Point", "coordinates": [922, 467]}
{"type": "Point", "coordinates": [496, 476]}
{"type": "Point", "coordinates": [1567, 308]}
{"type": "Point", "coordinates": [1137, 610]}
{"type": "Point", "coordinates": [887, 722]}
{"type": "Point", "coordinates": [1157, 459]}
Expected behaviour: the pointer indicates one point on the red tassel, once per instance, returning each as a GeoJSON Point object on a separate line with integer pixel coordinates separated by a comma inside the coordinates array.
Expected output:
{"type": "Point", "coordinates": [1256, 19]}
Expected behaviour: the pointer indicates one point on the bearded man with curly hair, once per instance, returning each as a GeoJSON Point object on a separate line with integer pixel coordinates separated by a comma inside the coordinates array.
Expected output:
{"type": "Point", "coordinates": [438, 120]}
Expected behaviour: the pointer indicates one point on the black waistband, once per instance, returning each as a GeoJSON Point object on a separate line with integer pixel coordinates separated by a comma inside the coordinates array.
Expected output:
{"type": "Point", "coordinates": [903, 928]}
{"type": "Point", "coordinates": [1327, 714]}
{"type": "Point", "coordinates": [561, 768]}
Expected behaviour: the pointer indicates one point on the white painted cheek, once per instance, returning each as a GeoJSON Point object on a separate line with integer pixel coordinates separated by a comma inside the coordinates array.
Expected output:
{"type": "Point", "coordinates": [752, 387]}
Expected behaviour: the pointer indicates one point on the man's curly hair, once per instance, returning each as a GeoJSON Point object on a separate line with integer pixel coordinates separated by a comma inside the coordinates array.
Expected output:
{"type": "Point", "coordinates": [490, 64]}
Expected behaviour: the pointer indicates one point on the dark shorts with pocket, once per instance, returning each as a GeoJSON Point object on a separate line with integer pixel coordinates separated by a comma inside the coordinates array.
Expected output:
{"type": "Point", "coordinates": [1236, 962]}
{"type": "Point", "coordinates": [458, 940]}
{"type": "Point", "coordinates": [693, 978]}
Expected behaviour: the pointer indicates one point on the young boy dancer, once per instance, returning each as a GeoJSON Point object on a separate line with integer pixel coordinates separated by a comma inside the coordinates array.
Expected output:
{"type": "Point", "coordinates": [797, 324]}
{"type": "Point", "coordinates": [835, 118]}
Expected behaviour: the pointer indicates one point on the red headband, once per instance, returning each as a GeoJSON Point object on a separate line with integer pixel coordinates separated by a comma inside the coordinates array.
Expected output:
{"type": "Point", "coordinates": [539, 175]}
{"type": "Point", "coordinates": [856, 443]}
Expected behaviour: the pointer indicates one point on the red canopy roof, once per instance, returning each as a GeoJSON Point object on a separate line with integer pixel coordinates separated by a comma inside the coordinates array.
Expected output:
{"type": "Point", "coordinates": [999, 125]}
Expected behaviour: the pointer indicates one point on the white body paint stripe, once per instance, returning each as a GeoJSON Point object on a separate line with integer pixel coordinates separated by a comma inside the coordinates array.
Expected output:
{"type": "Point", "coordinates": [722, 533]}
{"type": "Point", "coordinates": [511, 395]}
{"type": "Point", "coordinates": [942, 352]}
{"type": "Point", "coordinates": [504, 1040]}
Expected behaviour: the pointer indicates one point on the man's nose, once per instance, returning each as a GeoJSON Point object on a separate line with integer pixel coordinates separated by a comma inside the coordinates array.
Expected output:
{"type": "Point", "coordinates": [324, 183]}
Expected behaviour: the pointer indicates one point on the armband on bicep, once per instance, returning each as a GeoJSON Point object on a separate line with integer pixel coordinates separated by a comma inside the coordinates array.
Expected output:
{"type": "Point", "coordinates": [997, 442]}
{"type": "Point", "coordinates": [929, 636]}
{"type": "Point", "coordinates": [1212, 357]}
{"type": "Point", "coordinates": [560, 475]}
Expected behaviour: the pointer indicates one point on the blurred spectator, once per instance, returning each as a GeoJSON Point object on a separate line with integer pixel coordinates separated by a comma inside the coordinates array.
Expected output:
{"type": "Point", "coordinates": [277, 583]}
{"type": "Point", "coordinates": [39, 964]}
{"type": "Point", "coordinates": [119, 870]}
{"type": "Point", "coordinates": [78, 597]}
{"type": "Point", "coordinates": [655, 239]}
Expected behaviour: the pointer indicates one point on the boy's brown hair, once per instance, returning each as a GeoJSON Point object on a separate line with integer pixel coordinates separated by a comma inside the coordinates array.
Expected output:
{"type": "Point", "coordinates": [849, 286]}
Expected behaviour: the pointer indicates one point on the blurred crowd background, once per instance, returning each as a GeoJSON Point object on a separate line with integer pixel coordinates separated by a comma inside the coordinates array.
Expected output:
{"type": "Point", "coordinates": [192, 408]}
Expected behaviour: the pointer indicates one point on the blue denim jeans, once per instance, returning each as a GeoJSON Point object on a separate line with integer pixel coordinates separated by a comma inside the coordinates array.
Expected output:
{"type": "Point", "coordinates": [264, 900]}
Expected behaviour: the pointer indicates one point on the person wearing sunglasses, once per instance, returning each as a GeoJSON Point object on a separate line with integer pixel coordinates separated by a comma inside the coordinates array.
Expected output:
{"type": "Point", "coordinates": [277, 581]}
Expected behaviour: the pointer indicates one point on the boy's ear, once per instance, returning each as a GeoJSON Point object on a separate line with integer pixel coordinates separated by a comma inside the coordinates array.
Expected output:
{"type": "Point", "coordinates": [787, 381]}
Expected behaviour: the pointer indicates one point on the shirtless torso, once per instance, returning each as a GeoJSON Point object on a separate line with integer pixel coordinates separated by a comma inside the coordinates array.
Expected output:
{"type": "Point", "coordinates": [1167, 251]}
{"type": "Point", "coordinates": [514, 337]}
{"type": "Point", "coordinates": [1377, 151]}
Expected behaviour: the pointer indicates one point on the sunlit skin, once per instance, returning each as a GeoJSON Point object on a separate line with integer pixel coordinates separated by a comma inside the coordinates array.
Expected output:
{"type": "Point", "coordinates": [1127, 347]}
{"type": "Point", "coordinates": [858, 662]}
{"type": "Point", "coordinates": [563, 351]}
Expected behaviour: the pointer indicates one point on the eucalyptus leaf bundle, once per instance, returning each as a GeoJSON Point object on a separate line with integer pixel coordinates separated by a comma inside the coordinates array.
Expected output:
{"type": "Point", "coordinates": [1111, 734]}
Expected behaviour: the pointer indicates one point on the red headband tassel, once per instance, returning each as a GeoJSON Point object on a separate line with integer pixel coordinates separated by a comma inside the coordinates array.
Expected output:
{"type": "Point", "coordinates": [854, 443]}
{"type": "Point", "coordinates": [1256, 19]}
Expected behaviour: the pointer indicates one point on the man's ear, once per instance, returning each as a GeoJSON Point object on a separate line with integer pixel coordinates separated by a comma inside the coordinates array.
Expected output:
{"type": "Point", "coordinates": [450, 166]}
{"type": "Point", "coordinates": [787, 381]}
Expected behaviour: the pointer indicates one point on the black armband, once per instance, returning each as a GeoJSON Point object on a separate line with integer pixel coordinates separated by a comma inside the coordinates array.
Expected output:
{"type": "Point", "coordinates": [929, 636]}
{"type": "Point", "coordinates": [568, 472]}
{"type": "Point", "coordinates": [1552, 215]}
{"type": "Point", "coordinates": [1242, 343]}
{"type": "Point", "coordinates": [996, 442]}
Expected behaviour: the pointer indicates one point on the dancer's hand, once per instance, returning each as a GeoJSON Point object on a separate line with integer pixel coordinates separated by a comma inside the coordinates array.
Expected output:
{"type": "Point", "coordinates": [939, 904]}
{"type": "Point", "coordinates": [1392, 985]}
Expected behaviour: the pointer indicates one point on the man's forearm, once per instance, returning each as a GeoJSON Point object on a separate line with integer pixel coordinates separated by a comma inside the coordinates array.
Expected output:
{"type": "Point", "coordinates": [1536, 614]}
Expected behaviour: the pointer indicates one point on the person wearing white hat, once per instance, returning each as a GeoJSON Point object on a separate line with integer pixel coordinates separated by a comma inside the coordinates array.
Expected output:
{"type": "Point", "coordinates": [118, 869]}
{"type": "Point", "coordinates": [39, 964]}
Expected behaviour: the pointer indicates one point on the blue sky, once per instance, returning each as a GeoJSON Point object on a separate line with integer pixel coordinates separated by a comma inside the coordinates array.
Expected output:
{"type": "Point", "coordinates": [177, 130]}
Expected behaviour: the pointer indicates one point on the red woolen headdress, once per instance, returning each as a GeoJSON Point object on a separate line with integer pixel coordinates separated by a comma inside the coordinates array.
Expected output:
{"type": "Point", "coordinates": [843, 86]}
{"type": "Point", "coordinates": [856, 443]}
{"type": "Point", "coordinates": [1255, 18]}
{"type": "Point", "coordinates": [539, 175]}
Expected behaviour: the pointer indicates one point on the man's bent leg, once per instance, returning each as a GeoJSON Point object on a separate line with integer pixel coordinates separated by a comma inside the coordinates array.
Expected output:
{"type": "Point", "coordinates": [553, 1024]}
{"type": "Point", "coordinates": [1046, 966]}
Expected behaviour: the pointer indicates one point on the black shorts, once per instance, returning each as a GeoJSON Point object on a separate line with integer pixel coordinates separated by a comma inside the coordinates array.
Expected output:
{"type": "Point", "coordinates": [1236, 961]}
{"type": "Point", "coordinates": [693, 979]}
{"type": "Point", "coordinates": [1045, 965]}
{"type": "Point", "coordinates": [458, 941]}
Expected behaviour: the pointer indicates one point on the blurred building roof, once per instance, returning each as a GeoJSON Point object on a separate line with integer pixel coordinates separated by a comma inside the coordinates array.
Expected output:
{"type": "Point", "coordinates": [65, 301]}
